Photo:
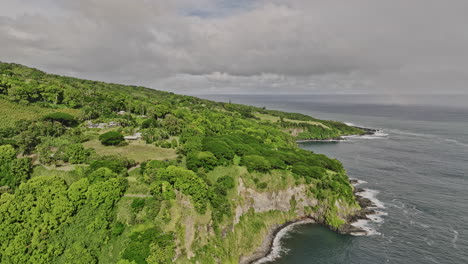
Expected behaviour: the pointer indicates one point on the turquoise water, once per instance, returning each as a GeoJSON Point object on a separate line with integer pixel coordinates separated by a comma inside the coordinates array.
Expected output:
{"type": "Point", "coordinates": [419, 172]}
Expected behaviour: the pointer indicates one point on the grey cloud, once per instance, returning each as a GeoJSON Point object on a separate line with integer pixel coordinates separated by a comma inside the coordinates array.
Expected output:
{"type": "Point", "coordinates": [295, 45]}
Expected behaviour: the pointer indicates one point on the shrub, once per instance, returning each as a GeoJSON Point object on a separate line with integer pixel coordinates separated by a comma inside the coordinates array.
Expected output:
{"type": "Point", "coordinates": [64, 118]}
{"type": "Point", "coordinates": [111, 138]}
{"type": "Point", "coordinates": [118, 228]}
{"type": "Point", "coordinates": [226, 182]}
{"type": "Point", "coordinates": [262, 185]}
{"type": "Point", "coordinates": [174, 143]}
{"type": "Point", "coordinates": [138, 204]}
{"type": "Point", "coordinates": [113, 165]}
{"type": "Point", "coordinates": [123, 144]}
{"type": "Point", "coordinates": [162, 190]}
{"type": "Point", "coordinates": [165, 144]}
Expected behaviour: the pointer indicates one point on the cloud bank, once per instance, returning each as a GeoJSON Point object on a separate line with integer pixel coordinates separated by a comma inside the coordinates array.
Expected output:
{"type": "Point", "coordinates": [246, 46]}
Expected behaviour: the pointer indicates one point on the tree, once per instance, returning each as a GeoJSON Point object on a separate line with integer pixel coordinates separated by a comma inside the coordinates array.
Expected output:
{"type": "Point", "coordinates": [188, 183]}
{"type": "Point", "coordinates": [48, 207]}
{"type": "Point", "coordinates": [52, 94]}
{"type": "Point", "coordinates": [162, 252]}
{"type": "Point", "coordinates": [78, 254]}
{"type": "Point", "coordinates": [101, 174]}
{"type": "Point", "coordinates": [20, 170]}
{"type": "Point", "coordinates": [173, 125]}
{"type": "Point", "coordinates": [220, 149]}
{"type": "Point", "coordinates": [111, 138]}
{"type": "Point", "coordinates": [256, 162]}
{"type": "Point", "coordinates": [76, 153]}
{"type": "Point", "coordinates": [63, 118]}
{"type": "Point", "coordinates": [150, 123]}
{"type": "Point", "coordinates": [7, 153]}
{"type": "Point", "coordinates": [159, 111]}
{"type": "Point", "coordinates": [13, 170]}
{"type": "Point", "coordinates": [201, 159]}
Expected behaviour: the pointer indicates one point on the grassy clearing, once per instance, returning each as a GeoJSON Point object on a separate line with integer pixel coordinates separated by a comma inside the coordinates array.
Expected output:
{"type": "Point", "coordinates": [276, 179]}
{"type": "Point", "coordinates": [12, 112]}
{"type": "Point", "coordinates": [137, 150]}
{"type": "Point", "coordinates": [275, 119]}
{"type": "Point", "coordinates": [68, 176]}
{"type": "Point", "coordinates": [136, 187]}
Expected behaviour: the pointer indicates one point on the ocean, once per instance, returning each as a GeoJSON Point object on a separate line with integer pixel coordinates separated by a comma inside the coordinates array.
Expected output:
{"type": "Point", "coordinates": [415, 170]}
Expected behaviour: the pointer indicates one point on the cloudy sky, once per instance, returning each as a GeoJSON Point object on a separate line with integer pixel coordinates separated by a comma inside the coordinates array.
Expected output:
{"type": "Point", "coordinates": [246, 46]}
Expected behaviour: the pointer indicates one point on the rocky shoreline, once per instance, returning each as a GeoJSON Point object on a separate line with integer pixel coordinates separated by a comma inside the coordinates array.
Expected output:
{"type": "Point", "coordinates": [365, 204]}
{"type": "Point", "coordinates": [267, 246]}
{"type": "Point", "coordinates": [367, 132]}
{"type": "Point", "coordinates": [268, 243]}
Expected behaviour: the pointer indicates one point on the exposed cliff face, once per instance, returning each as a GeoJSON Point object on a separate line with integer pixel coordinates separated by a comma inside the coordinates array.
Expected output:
{"type": "Point", "coordinates": [295, 198]}
{"type": "Point", "coordinates": [246, 234]}
{"type": "Point", "coordinates": [281, 200]}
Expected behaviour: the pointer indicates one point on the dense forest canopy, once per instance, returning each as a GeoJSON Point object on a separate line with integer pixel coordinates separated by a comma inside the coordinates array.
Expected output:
{"type": "Point", "coordinates": [94, 172]}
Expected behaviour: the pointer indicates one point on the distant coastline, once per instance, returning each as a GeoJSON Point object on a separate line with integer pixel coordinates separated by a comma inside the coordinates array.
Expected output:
{"type": "Point", "coordinates": [367, 132]}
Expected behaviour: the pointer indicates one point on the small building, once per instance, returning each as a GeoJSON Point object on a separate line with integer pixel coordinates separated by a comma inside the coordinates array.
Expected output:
{"type": "Point", "coordinates": [102, 125]}
{"type": "Point", "coordinates": [121, 113]}
{"type": "Point", "coordinates": [135, 136]}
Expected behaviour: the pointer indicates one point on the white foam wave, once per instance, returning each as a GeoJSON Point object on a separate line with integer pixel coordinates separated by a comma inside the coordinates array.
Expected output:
{"type": "Point", "coordinates": [372, 196]}
{"type": "Point", "coordinates": [456, 142]}
{"type": "Point", "coordinates": [375, 218]}
{"type": "Point", "coordinates": [455, 238]}
{"type": "Point", "coordinates": [358, 182]}
{"type": "Point", "coordinates": [430, 136]}
{"type": "Point", "coordinates": [407, 133]}
{"type": "Point", "coordinates": [277, 248]}
{"type": "Point", "coordinates": [364, 225]}
{"type": "Point", "coordinates": [380, 134]}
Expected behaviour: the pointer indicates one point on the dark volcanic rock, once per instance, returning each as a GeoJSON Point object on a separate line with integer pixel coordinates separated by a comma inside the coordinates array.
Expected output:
{"type": "Point", "coordinates": [358, 190]}
{"type": "Point", "coordinates": [353, 181]}
{"type": "Point", "coordinates": [364, 202]}
{"type": "Point", "coordinates": [368, 131]}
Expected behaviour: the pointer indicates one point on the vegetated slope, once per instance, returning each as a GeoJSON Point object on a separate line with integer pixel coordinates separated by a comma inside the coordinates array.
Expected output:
{"type": "Point", "coordinates": [237, 172]}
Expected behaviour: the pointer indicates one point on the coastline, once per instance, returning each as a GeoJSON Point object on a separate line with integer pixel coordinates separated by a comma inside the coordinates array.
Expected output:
{"type": "Point", "coordinates": [274, 235]}
{"type": "Point", "coordinates": [367, 132]}
{"type": "Point", "coordinates": [276, 232]}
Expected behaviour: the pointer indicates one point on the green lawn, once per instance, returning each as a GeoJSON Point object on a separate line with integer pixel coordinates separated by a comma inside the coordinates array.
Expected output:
{"type": "Point", "coordinates": [12, 112]}
{"type": "Point", "coordinates": [137, 150]}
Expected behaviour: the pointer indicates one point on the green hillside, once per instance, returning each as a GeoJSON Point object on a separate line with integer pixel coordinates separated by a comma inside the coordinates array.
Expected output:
{"type": "Point", "coordinates": [194, 181]}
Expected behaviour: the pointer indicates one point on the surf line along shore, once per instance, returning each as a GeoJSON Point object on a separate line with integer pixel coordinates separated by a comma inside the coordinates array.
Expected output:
{"type": "Point", "coordinates": [271, 246]}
